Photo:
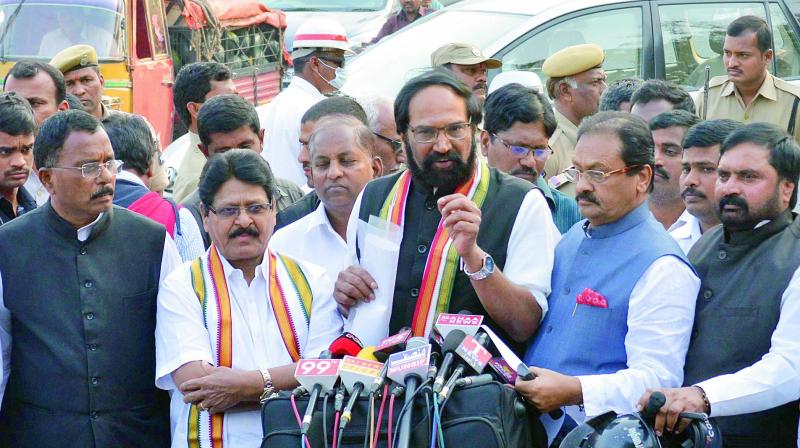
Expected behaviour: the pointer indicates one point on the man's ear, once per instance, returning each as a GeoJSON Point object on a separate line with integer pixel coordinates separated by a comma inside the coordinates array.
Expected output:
{"type": "Point", "coordinates": [204, 215]}
{"type": "Point", "coordinates": [377, 167]}
{"type": "Point", "coordinates": [564, 91]}
{"type": "Point", "coordinates": [63, 106]}
{"type": "Point", "coordinates": [261, 138]}
{"type": "Point", "coordinates": [46, 178]}
{"type": "Point", "coordinates": [486, 140]}
{"type": "Point", "coordinates": [203, 148]}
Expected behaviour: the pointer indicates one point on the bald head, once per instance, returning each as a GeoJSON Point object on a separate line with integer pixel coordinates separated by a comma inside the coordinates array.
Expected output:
{"type": "Point", "coordinates": [342, 162]}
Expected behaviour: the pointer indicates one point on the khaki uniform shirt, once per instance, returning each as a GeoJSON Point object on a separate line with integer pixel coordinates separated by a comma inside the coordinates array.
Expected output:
{"type": "Point", "coordinates": [772, 104]}
{"type": "Point", "coordinates": [563, 143]}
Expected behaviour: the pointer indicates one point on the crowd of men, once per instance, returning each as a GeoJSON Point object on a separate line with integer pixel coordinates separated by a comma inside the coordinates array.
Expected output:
{"type": "Point", "coordinates": [620, 238]}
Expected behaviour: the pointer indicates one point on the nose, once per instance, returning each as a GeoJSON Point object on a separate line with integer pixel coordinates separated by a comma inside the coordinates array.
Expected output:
{"type": "Point", "coordinates": [728, 187]}
{"type": "Point", "coordinates": [18, 160]}
{"type": "Point", "coordinates": [442, 144]}
{"type": "Point", "coordinates": [243, 220]}
{"type": "Point", "coordinates": [528, 161]}
{"type": "Point", "coordinates": [304, 156]}
{"type": "Point", "coordinates": [335, 170]}
{"type": "Point", "coordinates": [690, 179]}
{"type": "Point", "coordinates": [583, 185]}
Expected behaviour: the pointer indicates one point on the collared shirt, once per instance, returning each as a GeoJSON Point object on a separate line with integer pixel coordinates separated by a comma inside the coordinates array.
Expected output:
{"type": "Point", "coordinates": [773, 380]}
{"type": "Point", "coordinates": [35, 188]}
{"type": "Point", "coordinates": [280, 119]}
{"type": "Point", "coordinates": [772, 104]}
{"type": "Point", "coordinates": [563, 143]}
{"type": "Point", "coordinates": [686, 231]}
{"type": "Point", "coordinates": [181, 337]}
{"type": "Point", "coordinates": [25, 203]}
{"type": "Point", "coordinates": [396, 23]}
{"type": "Point", "coordinates": [170, 259]}
{"type": "Point", "coordinates": [660, 314]}
{"type": "Point", "coordinates": [312, 239]}
{"type": "Point", "coordinates": [191, 165]}
{"type": "Point", "coordinates": [189, 241]}
{"type": "Point", "coordinates": [564, 208]}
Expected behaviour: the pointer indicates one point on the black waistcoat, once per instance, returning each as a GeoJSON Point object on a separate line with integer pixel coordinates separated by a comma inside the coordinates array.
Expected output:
{"type": "Point", "coordinates": [743, 276]}
{"type": "Point", "coordinates": [83, 320]}
{"type": "Point", "coordinates": [498, 213]}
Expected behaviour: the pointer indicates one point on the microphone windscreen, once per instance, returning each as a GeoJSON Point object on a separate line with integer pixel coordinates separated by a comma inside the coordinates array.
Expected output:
{"type": "Point", "coordinates": [346, 344]}
{"type": "Point", "coordinates": [453, 340]}
{"type": "Point", "coordinates": [368, 353]}
{"type": "Point", "coordinates": [416, 341]}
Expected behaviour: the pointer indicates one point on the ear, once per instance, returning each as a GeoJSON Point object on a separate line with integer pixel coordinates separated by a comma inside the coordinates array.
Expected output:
{"type": "Point", "coordinates": [768, 55]}
{"type": "Point", "coordinates": [46, 178]}
{"type": "Point", "coordinates": [102, 80]}
{"type": "Point", "coordinates": [377, 167]}
{"type": "Point", "coordinates": [564, 91]}
{"type": "Point", "coordinates": [204, 216]}
{"type": "Point", "coordinates": [194, 109]}
{"type": "Point", "coordinates": [785, 190]}
{"type": "Point", "coordinates": [63, 105]}
{"type": "Point", "coordinates": [643, 178]}
{"type": "Point", "coordinates": [261, 138]}
{"type": "Point", "coordinates": [203, 148]}
{"type": "Point", "coordinates": [486, 140]}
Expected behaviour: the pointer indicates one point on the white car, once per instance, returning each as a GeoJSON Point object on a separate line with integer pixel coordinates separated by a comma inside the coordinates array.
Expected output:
{"type": "Point", "coordinates": [667, 39]}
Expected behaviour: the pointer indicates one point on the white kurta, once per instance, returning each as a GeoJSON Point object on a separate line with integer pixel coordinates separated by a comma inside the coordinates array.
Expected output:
{"type": "Point", "coordinates": [313, 240]}
{"type": "Point", "coordinates": [685, 231]}
{"type": "Point", "coordinates": [280, 119]}
{"type": "Point", "coordinates": [181, 337]}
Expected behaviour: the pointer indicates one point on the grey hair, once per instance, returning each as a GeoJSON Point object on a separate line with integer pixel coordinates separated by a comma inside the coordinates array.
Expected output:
{"type": "Point", "coordinates": [362, 136]}
{"type": "Point", "coordinates": [371, 105]}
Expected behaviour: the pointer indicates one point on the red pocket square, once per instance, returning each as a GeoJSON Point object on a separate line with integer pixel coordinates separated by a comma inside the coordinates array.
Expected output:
{"type": "Point", "coordinates": [592, 298]}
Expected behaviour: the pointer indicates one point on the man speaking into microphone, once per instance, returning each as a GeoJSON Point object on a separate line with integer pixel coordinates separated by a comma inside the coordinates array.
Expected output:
{"type": "Point", "coordinates": [623, 292]}
{"type": "Point", "coordinates": [472, 237]}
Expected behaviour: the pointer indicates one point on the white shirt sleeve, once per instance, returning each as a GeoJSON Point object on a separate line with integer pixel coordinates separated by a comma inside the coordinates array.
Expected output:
{"type": "Point", "coordinates": [531, 248]}
{"type": "Point", "coordinates": [773, 380]}
{"type": "Point", "coordinates": [181, 336]}
{"type": "Point", "coordinates": [326, 323]}
{"type": "Point", "coordinates": [190, 242]}
{"type": "Point", "coordinates": [170, 258]}
{"type": "Point", "coordinates": [660, 319]}
{"type": "Point", "coordinates": [5, 343]}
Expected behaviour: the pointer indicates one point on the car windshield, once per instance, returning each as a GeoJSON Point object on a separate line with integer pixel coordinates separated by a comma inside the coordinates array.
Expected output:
{"type": "Point", "coordinates": [59, 26]}
{"type": "Point", "coordinates": [326, 5]}
{"type": "Point", "coordinates": [408, 52]}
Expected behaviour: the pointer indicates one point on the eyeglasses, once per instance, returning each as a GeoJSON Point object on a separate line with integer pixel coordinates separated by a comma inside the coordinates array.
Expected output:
{"type": "Point", "coordinates": [92, 169]}
{"type": "Point", "coordinates": [337, 63]}
{"type": "Point", "coordinates": [234, 212]}
{"type": "Point", "coordinates": [397, 145]}
{"type": "Point", "coordinates": [596, 176]}
{"type": "Point", "coordinates": [428, 134]}
{"type": "Point", "coordinates": [523, 151]}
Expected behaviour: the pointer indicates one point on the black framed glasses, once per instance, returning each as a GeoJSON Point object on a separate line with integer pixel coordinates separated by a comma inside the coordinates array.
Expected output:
{"type": "Point", "coordinates": [234, 212]}
{"type": "Point", "coordinates": [397, 145]}
{"type": "Point", "coordinates": [92, 169]}
{"type": "Point", "coordinates": [597, 176]}
{"type": "Point", "coordinates": [523, 151]}
{"type": "Point", "coordinates": [429, 134]}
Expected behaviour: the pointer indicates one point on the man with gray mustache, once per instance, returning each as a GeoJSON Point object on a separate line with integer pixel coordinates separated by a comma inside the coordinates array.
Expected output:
{"type": "Point", "coordinates": [79, 359]}
{"type": "Point", "coordinates": [698, 175]}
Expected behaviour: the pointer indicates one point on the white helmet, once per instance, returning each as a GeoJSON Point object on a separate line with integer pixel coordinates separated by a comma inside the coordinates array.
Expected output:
{"type": "Point", "coordinates": [319, 33]}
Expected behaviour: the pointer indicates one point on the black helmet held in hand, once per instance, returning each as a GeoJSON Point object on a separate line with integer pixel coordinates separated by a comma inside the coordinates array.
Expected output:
{"type": "Point", "coordinates": [636, 431]}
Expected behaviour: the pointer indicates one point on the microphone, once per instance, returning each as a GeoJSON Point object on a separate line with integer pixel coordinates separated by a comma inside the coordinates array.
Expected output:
{"type": "Point", "coordinates": [451, 343]}
{"type": "Point", "coordinates": [316, 375]}
{"type": "Point", "coordinates": [395, 343]}
{"type": "Point", "coordinates": [345, 345]}
{"type": "Point", "coordinates": [408, 368]}
{"type": "Point", "coordinates": [368, 353]}
{"type": "Point", "coordinates": [474, 355]}
{"type": "Point", "coordinates": [355, 374]}
{"type": "Point", "coordinates": [524, 373]}
{"type": "Point", "coordinates": [477, 380]}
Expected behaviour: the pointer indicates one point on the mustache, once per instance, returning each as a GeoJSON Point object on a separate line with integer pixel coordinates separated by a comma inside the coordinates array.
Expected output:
{"type": "Point", "coordinates": [587, 196]}
{"type": "Point", "coordinates": [690, 190]}
{"type": "Point", "coordinates": [434, 157]}
{"type": "Point", "coordinates": [480, 85]}
{"type": "Point", "coordinates": [103, 191]}
{"type": "Point", "coordinates": [661, 172]}
{"type": "Point", "coordinates": [735, 201]}
{"type": "Point", "coordinates": [242, 231]}
{"type": "Point", "coordinates": [525, 171]}
{"type": "Point", "coordinates": [15, 172]}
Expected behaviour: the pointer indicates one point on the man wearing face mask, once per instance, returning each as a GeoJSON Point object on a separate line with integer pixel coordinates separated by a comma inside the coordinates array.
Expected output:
{"type": "Point", "coordinates": [319, 49]}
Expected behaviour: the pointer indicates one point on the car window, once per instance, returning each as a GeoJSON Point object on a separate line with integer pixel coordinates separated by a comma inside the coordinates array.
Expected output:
{"type": "Point", "coordinates": [618, 31]}
{"type": "Point", "coordinates": [786, 44]}
{"type": "Point", "coordinates": [693, 35]}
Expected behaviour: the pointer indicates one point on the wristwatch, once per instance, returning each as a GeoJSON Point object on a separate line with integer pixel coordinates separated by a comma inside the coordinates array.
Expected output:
{"type": "Point", "coordinates": [486, 270]}
{"type": "Point", "coordinates": [269, 389]}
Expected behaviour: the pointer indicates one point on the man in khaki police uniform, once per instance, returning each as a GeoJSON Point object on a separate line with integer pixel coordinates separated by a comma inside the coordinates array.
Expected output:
{"type": "Point", "coordinates": [575, 82]}
{"type": "Point", "coordinates": [468, 64]}
{"type": "Point", "coordinates": [82, 78]}
{"type": "Point", "coordinates": [749, 93]}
